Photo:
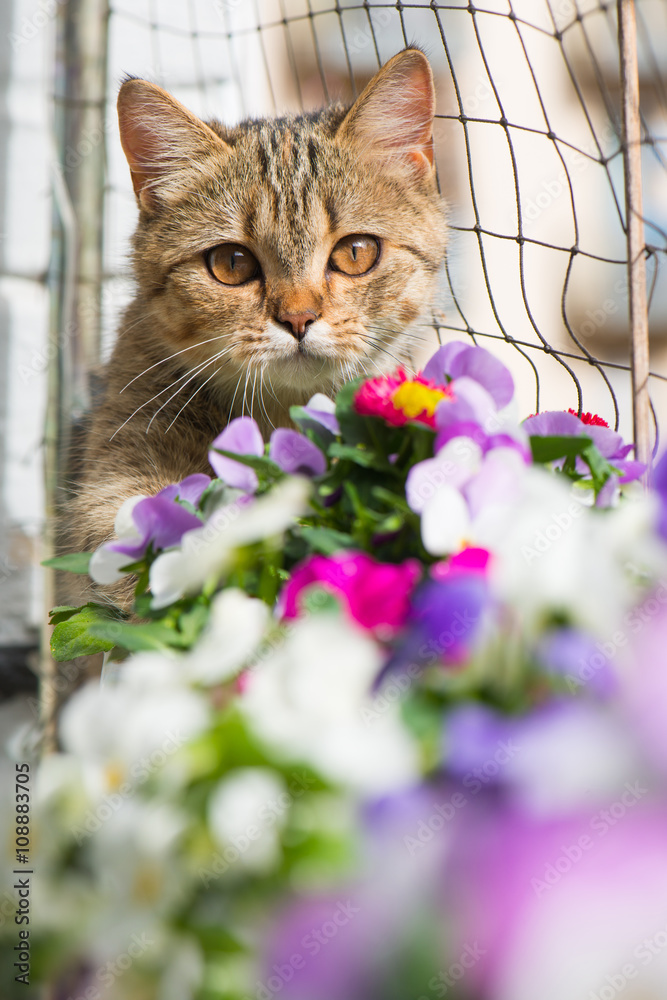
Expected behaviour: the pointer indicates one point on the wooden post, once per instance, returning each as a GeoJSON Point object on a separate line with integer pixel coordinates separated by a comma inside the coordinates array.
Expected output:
{"type": "Point", "coordinates": [638, 306]}
{"type": "Point", "coordinates": [75, 272]}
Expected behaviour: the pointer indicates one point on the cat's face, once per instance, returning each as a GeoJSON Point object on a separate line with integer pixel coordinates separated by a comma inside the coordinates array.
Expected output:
{"type": "Point", "coordinates": [296, 253]}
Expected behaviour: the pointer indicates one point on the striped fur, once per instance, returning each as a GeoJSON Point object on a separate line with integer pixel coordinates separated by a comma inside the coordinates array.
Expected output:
{"type": "Point", "coordinates": [192, 353]}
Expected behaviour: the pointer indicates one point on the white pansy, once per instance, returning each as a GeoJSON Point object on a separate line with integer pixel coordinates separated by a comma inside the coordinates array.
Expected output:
{"type": "Point", "coordinates": [321, 403]}
{"type": "Point", "coordinates": [308, 701]}
{"type": "Point", "coordinates": [105, 565]}
{"type": "Point", "coordinates": [453, 466]}
{"type": "Point", "coordinates": [124, 525]}
{"type": "Point", "coordinates": [127, 732]}
{"type": "Point", "coordinates": [445, 522]}
{"type": "Point", "coordinates": [551, 552]}
{"type": "Point", "coordinates": [208, 551]}
{"type": "Point", "coordinates": [139, 871]}
{"type": "Point", "coordinates": [245, 814]}
{"type": "Point", "coordinates": [235, 628]}
{"type": "Point", "coordinates": [449, 519]}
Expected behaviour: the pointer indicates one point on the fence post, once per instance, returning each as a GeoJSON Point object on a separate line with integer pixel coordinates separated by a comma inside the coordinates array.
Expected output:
{"type": "Point", "coordinates": [75, 271]}
{"type": "Point", "coordinates": [632, 169]}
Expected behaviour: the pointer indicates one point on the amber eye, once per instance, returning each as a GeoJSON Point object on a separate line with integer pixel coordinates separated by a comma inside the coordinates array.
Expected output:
{"type": "Point", "coordinates": [232, 264]}
{"type": "Point", "coordinates": [355, 254]}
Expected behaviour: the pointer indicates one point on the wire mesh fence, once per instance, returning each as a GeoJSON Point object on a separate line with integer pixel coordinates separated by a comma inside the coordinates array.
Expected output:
{"type": "Point", "coordinates": [528, 143]}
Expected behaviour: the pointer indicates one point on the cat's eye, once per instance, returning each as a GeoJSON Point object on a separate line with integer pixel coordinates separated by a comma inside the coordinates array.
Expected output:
{"type": "Point", "coordinates": [355, 254]}
{"type": "Point", "coordinates": [232, 264]}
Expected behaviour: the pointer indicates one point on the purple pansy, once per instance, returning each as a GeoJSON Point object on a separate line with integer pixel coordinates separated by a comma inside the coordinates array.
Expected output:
{"type": "Point", "coordinates": [189, 489]}
{"type": "Point", "coordinates": [472, 735]}
{"type": "Point", "coordinates": [561, 423]}
{"type": "Point", "coordinates": [160, 522]}
{"type": "Point", "coordinates": [296, 454]}
{"type": "Point", "coordinates": [458, 360]}
{"type": "Point", "coordinates": [659, 485]}
{"type": "Point", "coordinates": [444, 623]}
{"type": "Point", "coordinates": [575, 655]}
{"type": "Point", "coordinates": [244, 437]}
{"type": "Point", "coordinates": [320, 415]}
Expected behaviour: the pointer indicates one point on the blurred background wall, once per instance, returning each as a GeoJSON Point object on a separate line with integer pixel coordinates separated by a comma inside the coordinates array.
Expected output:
{"type": "Point", "coordinates": [529, 156]}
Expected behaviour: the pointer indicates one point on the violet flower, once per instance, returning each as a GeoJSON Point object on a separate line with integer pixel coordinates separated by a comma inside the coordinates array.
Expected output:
{"type": "Point", "coordinates": [319, 414]}
{"type": "Point", "coordinates": [562, 423]}
{"type": "Point", "coordinates": [578, 658]}
{"type": "Point", "coordinates": [190, 489]}
{"type": "Point", "coordinates": [243, 436]}
{"type": "Point", "coordinates": [659, 486]}
{"type": "Point", "coordinates": [444, 623]}
{"type": "Point", "coordinates": [459, 360]}
{"type": "Point", "coordinates": [160, 522]}
{"type": "Point", "coordinates": [296, 454]}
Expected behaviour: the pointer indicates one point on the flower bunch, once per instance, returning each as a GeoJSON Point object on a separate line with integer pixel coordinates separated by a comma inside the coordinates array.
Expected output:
{"type": "Point", "coordinates": [395, 681]}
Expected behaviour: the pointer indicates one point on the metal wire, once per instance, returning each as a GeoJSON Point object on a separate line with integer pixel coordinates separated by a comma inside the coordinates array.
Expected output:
{"type": "Point", "coordinates": [499, 278]}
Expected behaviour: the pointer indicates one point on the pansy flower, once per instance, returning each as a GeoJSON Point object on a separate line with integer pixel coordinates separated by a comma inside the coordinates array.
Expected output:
{"type": "Point", "coordinates": [562, 423]}
{"type": "Point", "coordinates": [157, 522]}
{"type": "Point", "coordinates": [294, 453]}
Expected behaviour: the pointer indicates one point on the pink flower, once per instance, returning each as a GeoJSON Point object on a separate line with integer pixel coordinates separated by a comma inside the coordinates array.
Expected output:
{"type": "Point", "coordinates": [377, 595]}
{"type": "Point", "coordinates": [468, 560]}
{"type": "Point", "coordinates": [398, 399]}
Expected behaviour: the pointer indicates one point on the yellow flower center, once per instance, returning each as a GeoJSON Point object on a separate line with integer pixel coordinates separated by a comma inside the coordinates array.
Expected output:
{"type": "Point", "coordinates": [114, 772]}
{"type": "Point", "coordinates": [413, 399]}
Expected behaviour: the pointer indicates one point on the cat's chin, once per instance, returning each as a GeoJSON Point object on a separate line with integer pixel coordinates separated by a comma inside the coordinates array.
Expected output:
{"type": "Point", "coordinates": [307, 374]}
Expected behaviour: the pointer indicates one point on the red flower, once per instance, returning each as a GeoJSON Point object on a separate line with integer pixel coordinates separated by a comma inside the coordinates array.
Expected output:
{"type": "Point", "coordinates": [590, 418]}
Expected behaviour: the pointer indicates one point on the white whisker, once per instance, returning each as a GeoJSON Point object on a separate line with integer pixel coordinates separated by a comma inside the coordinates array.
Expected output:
{"type": "Point", "coordinates": [162, 361]}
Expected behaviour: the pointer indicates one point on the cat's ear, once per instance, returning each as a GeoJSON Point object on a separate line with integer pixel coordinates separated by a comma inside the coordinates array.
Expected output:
{"type": "Point", "coordinates": [162, 141]}
{"type": "Point", "coordinates": [393, 117]}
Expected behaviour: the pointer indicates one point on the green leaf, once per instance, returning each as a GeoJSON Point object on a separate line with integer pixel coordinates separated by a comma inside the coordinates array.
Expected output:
{"type": "Point", "coordinates": [599, 466]}
{"type": "Point", "coordinates": [549, 449]}
{"type": "Point", "coordinates": [191, 622]}
{"type": "Point", "coordinates": [73, 562]}
{"type": "Point", "coordinates": [313, 430]}
{"type": "Point", "coordinates": [61, 613]}
{"type": "Point", "coordinates": [353, 427]}
{"type": "Point", "coordinates": [137, 638]}
{"type": "Point", "coordinates": [260, 463]}
{"type": "Point", "coordinates": [73, 634]}
{"type": "Point", "coordinates": [393, 500]}
{"type": "Point", "coordinates": [326, 540]}
{"type": "Point", "coordinates": [360, 455]}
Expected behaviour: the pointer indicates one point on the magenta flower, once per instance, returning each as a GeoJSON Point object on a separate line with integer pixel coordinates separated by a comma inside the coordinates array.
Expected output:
{"type": "Point", "coordinates": [468, 560]}
{"type": "Point", "coordinates": [377, 595]}
{"type": "Point", "coordinates": [244, 437]}
{"type": "Point", "coordinates": [296, 454]}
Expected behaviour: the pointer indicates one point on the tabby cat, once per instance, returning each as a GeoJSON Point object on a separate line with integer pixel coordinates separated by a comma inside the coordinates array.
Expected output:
{"type": "Point", "coordinates": [273, 259]}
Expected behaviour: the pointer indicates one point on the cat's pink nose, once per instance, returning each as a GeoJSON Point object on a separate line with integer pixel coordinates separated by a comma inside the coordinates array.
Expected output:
{"type": "Point", "coordinates": [298, 322]}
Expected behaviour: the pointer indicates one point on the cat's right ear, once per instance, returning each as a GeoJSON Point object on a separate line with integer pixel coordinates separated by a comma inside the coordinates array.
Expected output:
{"type": "Point", "coordinates": [161, 140]}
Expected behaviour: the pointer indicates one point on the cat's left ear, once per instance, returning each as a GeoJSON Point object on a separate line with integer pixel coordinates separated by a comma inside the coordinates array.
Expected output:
{"type": "Point", "coordinates": [393, 117]}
